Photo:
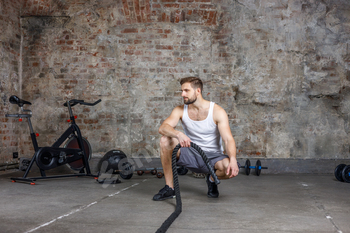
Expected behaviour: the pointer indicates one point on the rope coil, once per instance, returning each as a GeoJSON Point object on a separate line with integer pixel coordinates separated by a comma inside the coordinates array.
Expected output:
{"type": "Point", "coordinates": [178, 208]}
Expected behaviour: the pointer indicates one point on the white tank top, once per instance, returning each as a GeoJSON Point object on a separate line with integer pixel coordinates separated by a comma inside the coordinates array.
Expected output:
{"type": "Point", "coordinates": [204, 133]}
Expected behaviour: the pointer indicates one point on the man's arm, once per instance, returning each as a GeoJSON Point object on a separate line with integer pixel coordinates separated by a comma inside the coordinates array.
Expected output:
{"type": "Point", "coordinates": [221, 118]}
{"type": "Point", "coordinates": [168, 127]}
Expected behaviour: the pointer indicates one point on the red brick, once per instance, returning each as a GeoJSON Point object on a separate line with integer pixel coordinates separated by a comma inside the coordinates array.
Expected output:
{"type": "Point", "coordinates": [130, 30]}
{"type": "Point", "coordinates": [129, 52]}
{"type": "Point", "coordinates": [165, 17]}
{"type": "Point", "coordinates": [224, 55]}
{"type": "Point", "coordinates": [171, 5]}
{"type": "Point", "coordinates": [138, 52]}
{"type": "Point", "coordinates": [4, 119]}
{"type": "Point", "coordinates": [137, 7]}
{"type": "Point", "coordinates": [168, 47]}
{"type": "Point", "coordinates": [60, 42]}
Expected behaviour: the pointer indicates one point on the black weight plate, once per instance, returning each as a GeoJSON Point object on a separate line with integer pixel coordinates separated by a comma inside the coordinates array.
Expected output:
{"type": "Point", "coordinates": [126, 171]}
{"type": "Point", "coordinates": [258, 168]}
{"type": "Point", "coordinates": [247, 167]}
{"type": "Point", "coordinates": [182, 170]}
{"type": "Point", "coordinates": [338, 172]}
{"type": "Point", "coordinates": [111, 159]}
{"type": "Point", "coordinates": [346, 174]}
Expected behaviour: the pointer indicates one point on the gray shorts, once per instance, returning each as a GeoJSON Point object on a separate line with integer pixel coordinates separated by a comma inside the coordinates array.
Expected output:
{"type": "Point", "coordinates": [191, 159]}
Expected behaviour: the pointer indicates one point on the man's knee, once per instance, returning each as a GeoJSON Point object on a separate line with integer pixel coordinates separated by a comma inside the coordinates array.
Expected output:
{"type": "Point", "coordinates": [221, 167]}
{"type": "Point", "coordinates": [167, 143]}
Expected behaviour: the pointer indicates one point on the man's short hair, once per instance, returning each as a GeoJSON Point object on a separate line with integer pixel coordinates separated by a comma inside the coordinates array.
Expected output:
{"type": "Point", "coordinates": [195, 82]}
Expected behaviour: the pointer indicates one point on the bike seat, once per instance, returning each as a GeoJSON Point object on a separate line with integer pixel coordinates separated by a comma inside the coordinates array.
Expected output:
{"type": "Point", "coordinates": [15, 100]}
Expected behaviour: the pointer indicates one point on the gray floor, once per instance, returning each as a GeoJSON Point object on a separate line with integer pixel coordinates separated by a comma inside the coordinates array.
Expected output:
{"type": "Point", "coordinates": [268, 203]}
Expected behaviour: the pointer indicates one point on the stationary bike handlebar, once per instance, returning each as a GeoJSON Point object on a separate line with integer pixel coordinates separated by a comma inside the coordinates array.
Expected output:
{"type": "Point", "coordinates": [75, 101]}
{"type": "Point", "coordinates": [18, 115]}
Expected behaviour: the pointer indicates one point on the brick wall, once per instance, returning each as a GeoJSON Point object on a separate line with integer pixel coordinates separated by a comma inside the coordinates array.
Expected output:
{"type": "Point", "coordinates": [280, 69]}
{"type": "Point", "coordinates": [10, 38]}
{"type": "Point", "coordinates": [130, 54]}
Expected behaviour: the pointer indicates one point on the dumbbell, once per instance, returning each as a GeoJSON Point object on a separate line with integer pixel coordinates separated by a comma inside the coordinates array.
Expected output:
{"type": "Point", "coordinates": [155, 171]}
{"type": "Point", "coordinates": [257, 167]}
{"type": "Point", "coordinates": [342, 173]}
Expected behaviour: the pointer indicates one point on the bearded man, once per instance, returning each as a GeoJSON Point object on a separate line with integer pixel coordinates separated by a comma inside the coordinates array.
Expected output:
{"type": "Point", "coordinates": [204, 123]}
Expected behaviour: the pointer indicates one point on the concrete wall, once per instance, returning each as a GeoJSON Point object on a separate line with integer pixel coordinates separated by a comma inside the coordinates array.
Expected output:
{"type": "Point", "coordinates": [281, 70]}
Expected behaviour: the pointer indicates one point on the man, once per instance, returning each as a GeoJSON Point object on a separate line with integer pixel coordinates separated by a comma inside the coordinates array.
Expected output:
{"type": "Point", "coordinates": [204, 123]}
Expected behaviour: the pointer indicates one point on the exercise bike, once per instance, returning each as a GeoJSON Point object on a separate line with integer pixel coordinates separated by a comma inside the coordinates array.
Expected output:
{"type": "Point", "coordinates": [75, 152]}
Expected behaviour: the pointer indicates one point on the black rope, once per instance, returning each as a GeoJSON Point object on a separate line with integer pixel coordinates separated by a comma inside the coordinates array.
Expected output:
{"type": "Point", "coordinates": [178, 208]}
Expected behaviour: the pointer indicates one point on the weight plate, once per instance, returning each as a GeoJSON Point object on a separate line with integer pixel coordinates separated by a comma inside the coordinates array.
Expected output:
{"type": "Point", "coordinates": [346, 174]}
{"type": "Point", "coordinates": [126, 171]}
{"type": "Point", "coordinates": [247, 167]}
{"type": "Point", "coordinates": [338, 172]}
{"type": "Point", "coordinates": [114, 162]}
{"type": "Point", "coordinates": [112, 159]}
{"type": "Point", "coordinates": [258, 167]}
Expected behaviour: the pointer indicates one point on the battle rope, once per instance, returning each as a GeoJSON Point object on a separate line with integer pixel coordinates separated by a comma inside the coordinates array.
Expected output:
{"type": "Point", "coordinates": [178, 208]}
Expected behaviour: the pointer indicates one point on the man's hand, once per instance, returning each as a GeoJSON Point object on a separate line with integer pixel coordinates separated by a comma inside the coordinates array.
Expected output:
{"type": "Point", "coordinates": [232, 169]}
{"type": "Point", "coordinates": [183, 140]}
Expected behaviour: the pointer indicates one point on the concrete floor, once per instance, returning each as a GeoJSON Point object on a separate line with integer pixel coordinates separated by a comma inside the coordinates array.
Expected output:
{"type": "Point", "coordinates": [268, 203]}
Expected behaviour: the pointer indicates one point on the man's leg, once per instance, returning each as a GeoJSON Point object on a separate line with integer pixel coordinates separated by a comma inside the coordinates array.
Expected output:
{"type": "Point", "coordinates": [167, 146]}
{"type": "Point", "coordinates": [220, 167]}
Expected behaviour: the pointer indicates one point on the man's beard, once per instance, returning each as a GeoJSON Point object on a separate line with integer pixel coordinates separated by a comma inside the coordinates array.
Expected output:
{"type": "Point", "coordinates": [190, 101]}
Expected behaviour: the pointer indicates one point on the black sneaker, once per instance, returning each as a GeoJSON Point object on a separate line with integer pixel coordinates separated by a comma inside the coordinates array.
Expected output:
{"type": "Point", "coordinates": [212, 188]}
{"type": "Point", "coordinates": [164, 193]}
